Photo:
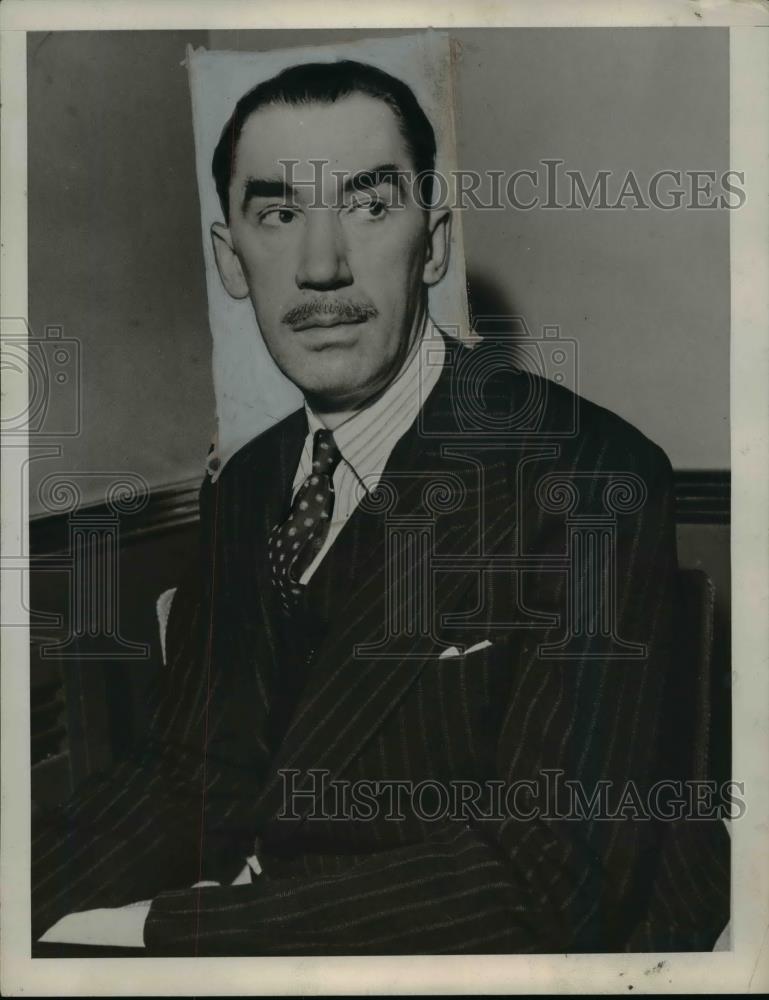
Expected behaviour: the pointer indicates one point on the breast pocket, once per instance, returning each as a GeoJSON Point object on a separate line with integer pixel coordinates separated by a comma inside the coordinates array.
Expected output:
{"type": "Point", "coordinates": [459, 703]}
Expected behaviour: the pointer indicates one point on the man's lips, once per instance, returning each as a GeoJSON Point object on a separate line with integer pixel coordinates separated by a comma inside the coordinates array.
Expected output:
{"type": "Point", "coordinates": [326, 322]}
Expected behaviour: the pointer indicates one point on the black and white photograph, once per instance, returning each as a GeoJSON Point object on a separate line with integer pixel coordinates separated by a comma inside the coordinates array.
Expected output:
{"type": "Point", "coordinates": [373, 399]}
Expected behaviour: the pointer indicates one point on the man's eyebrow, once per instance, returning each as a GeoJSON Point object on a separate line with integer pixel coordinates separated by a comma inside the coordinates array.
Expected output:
{"type": "Point", "coordinates": [266, 187]}
{"type": "Point", "coordinates": [277, 187]}
{"type": "Point", "coordinates": [385, 173]}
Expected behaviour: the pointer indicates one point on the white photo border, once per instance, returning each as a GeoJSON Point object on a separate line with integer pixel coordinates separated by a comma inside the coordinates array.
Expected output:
{"type": "Point", "coordinates": [743, 969]}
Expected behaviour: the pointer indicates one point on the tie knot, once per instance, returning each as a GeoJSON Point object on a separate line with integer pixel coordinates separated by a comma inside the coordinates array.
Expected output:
{"type": "Point", "coordinates": [325, 454]}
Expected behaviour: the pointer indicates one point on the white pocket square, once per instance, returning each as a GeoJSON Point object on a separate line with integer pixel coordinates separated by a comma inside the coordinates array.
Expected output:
{"type": "Point", "coordinates": [453, 651]}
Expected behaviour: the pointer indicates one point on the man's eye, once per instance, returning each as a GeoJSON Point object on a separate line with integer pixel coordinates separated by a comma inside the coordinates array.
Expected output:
{"type": "Point", "coordinates": [377, 208]}
{"type": "Point", "coordinates": [276, 217]}
{"type": "Point", "coordinates": [373, 208]}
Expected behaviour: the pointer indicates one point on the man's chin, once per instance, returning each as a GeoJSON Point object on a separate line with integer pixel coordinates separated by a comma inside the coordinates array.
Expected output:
{"type": "Point", "coordinates": [329, 397]}
{"type": "Point", "coordinates": [343, 392]}
{"type": "Point", "coordinates": [339, 376]}
{"type": "Point", "coordinates": [332, 376]}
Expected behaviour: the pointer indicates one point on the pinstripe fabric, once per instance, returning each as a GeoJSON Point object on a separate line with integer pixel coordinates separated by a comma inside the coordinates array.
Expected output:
{"type": "Point", "coordinates": [203, 785]}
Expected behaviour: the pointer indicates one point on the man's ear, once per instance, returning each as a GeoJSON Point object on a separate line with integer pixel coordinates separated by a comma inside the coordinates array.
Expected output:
{"type": "Point", "coordinates": [438, 244]}
{"type": "Point", "coordinates": [227, 261]}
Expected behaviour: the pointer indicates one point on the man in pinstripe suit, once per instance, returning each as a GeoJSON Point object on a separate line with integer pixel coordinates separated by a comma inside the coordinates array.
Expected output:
{"type": "Point", "coordinates": [441, 573]}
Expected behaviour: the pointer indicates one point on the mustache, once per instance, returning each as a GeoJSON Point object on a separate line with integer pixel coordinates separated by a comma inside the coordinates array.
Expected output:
{"type": "Point", "coordinates": [341, 309]}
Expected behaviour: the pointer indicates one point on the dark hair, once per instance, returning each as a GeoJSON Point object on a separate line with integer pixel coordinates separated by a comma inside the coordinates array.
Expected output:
{"type": "Point", "coordinates": [325, 83]}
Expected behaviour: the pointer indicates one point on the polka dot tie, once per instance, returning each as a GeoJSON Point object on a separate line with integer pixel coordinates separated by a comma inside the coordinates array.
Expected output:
{"type": "Point", "coordinates": [295, 543]}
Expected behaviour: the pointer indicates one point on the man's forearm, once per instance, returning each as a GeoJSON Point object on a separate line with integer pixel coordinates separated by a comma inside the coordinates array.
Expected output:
{"type": "Point", "coordinates": [453, 893]}
{"type": "Point", "coordinates": [124, 837]}
{"type": "Point", "coordinates": [122, 926]}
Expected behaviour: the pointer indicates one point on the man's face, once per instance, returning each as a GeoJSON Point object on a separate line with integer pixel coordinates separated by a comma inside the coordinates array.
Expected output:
{"type": "Point", "coordinates": [336, 273]}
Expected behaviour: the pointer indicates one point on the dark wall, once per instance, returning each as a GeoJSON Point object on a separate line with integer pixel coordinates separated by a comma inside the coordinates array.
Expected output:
{"type": "Point", "coordinates": [115, 254]}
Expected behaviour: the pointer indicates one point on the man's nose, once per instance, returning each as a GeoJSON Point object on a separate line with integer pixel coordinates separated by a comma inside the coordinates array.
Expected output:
{"type": "Point", "coordinates": [323, 263]}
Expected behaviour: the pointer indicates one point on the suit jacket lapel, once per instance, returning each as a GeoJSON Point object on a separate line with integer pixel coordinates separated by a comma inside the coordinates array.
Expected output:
{"type": "Point", "coordinates": [247, 503]}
